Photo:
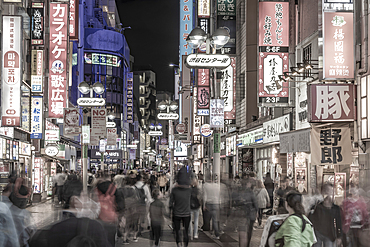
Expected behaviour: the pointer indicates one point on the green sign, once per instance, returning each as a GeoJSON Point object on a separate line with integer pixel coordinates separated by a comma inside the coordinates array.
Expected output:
{"type": "Point", "coordinates": [216, 142]}
{"type": "Point", "coordinates": [226, 7]}
{"type": "Point", "coordinates": [85, 148]}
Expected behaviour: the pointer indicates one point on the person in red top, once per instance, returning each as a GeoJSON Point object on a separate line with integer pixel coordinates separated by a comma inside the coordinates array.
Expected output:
{"type": "Point", "coordinates": [355, 216]}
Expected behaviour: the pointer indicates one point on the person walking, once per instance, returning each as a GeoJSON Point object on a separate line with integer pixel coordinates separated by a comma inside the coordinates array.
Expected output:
{"type": "Point", "coordinates": [269, 185]}
{"type": "Point", "coordinates": [162, 182]}
{"type": "Point", "coordinates": [326, 219]}
{"type": "Point", "coordinates": [263, 200]}
{"type": "Point", "coordinates": [60, 179]}
{"type": "Point", "coordinates": [156, 212]}
{"type": "Point", "coordinates": [180, 206]}
{"type": "Point", "coordinates": [72, 187]}
{"type": "Point", "coordinates": [296, 230]}
{"type": "Point", "coordinates": [211, 203]}
{"type": "Point", "coordinates": [194, 207]}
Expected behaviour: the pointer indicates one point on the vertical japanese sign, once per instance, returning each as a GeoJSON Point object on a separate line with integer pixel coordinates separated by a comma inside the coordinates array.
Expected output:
{"type": "Point", "coordinates": [226, 18]}
{"type": "Point", "coordinates": [111, 136]}
{"type": "Point", "coordinates": [197, 120]}
{"type": "Point", "coordinates": [37, 70]}
{"type": "Point", "coordinates": [204, 8]}
{"type": "Point", "coordinates": [228, 92]}
{"type": "Point", "coordinates": [71, 121]}
{"type": "Point", "coordinates": [203, 92]}
{"type": "Point", "coordinates": [36, 117]}
{"type": "Point", "coordinates": [11, 71]}
{"type": "Point", "coordinates": [26, 112]}
{"type": "Point", "coordinates": [273, 47]}
{"type": "Point", "coordinates": [58, 59]}
{"type": "Point", "coordinates": [331, 102]}
{"type": "Point", "coordinates": [37, 23]}
{"type": "Point", "coordinates": [73, 19]}
{"type": "Point", "coordinates": [36, 175]}
{"type": "Point", "coordinates": [186, 25]}
{"type": "Point", "coordinates": [217, 113]}
{"type": "Point", "coordinates": [129, 98]}
{"type": "Point", "coordinates": [98, 125]}
{"type": "Point", "coordinates": [331, 146]}
{"type": "Point", "coordinates": [338, 45]}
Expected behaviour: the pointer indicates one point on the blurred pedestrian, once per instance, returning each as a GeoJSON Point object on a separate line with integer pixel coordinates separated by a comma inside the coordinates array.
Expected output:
{"type": "Point", "coordinates": [326, 219]}
{"type": "Point", "coordinates": [60, 179]}
{"type": "Point", "coordinates": [355, 217]}
{"type": "Point", "coordinates": [212, 202]}
{"type": "Point", "coordinates": [156, 212]}
{"type": "Point", "coordinates": [263, 200]}
{"type": "Point", "coordinates": [162, 181]}
{"type": "Point", "coordinates": [180, 206]}
{"type": "Point", "coordinates": [269, 185]}
{"type": "Point", "coordinates": [281, 192]}
{"type": "Point", "coordinates": [72, 187]}
{"type": "Point", "coordinates": [296, 230]}
{"type": "Point", "coordinates": [194, 207]}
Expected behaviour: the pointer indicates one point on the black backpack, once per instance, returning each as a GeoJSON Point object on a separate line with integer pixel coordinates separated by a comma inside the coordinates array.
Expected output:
{"type": "Point", "coordinates": [82, 239]}
{"type": "Point", "coordinates": [140, 195]}
{"type": "Point", "coordinates": [90, 179]}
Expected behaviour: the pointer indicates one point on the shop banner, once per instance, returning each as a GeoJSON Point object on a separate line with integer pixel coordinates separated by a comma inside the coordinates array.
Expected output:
{"type": "Point", "coordinates": [58, 59]}
{"type": "Point", "coordinates": [197, 120]}
{"type": "Point", "coordinates": [73, 19]}
{"type": "Point", "coordinates": [129, 97]}
{"type": "Point", "coordinates": [108, 154]}
{"type": "Point", "coordinates": [7, 131]}
{"type": "Point", "coordinates": [26, 110]}
{"type": "Point", "coordinates": [15, 150]}
{"type": "Point", "coordinates": [111, 136]}
{"type": "Point", "coordinates": [338, 45]}
{"type": "Point", "coordinates": [37, 71]}
{"type": "Point", "coordinates": [98, 125]}
{"type": "Point", "coordinates": [252, 137]}
{"type": "Point", "coordinates": [186, 104]}
{"type": "Point", "coordinates": [36, 174]}
{"type": "Point", "coordinates": [216, 142]}
{"type": "Point", "coordinates": [272, 129]}
{"type": "Point", "coordinates": [37, 23]}
{"type": "Point", "coordinates": [228, 92]}
{"type": "Point", "coordinates": [332, 102]}
{"type": "Point", "coordinates": [217, 113]}
{"type": "Point", "coordinates": [52, 135]}
{"type": "Point", "coordinates": [203, 77]}
{"type": "Point", "coordinates": [203, 92]}
{"type": "Point", "coordinates": [204, 8]}
{"type": "Point", "coordinates": [226, 7]}
{"type": "Point", "coordinates": [24, 149]}
{"type": "Point", "coordinates": [132, 154]}
{"type": "Point", "coordinates": [186, 25]}
{"type": "Point", "coordinates": [11, 71]}
{"type": "Point", "coordinates": [71, 121]}
{"type": "Point", "coordinates": [274, 24]}
{"type": "Point", "coordinates": [295, 141]}
{"type": "Point", "coordinates": [36, 117]}
{"type": "Point", "coordinates": [331, 146]}
{"type": "Point", "coordinates": [231, 145]}
{"type": "Point", "coordinates": [271, 90]}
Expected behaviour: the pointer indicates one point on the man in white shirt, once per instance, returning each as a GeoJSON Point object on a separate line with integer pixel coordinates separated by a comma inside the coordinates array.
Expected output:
{"type": "Point", "coordinates": [211, 202]}
{"type": "Point", "coordinates": [59, 179]}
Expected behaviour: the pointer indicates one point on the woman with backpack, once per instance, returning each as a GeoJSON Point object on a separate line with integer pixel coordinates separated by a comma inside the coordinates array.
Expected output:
{"type": "Point", "coordinates": [296, 230]}
{"type": "Point", "coordinates": [194, 207]}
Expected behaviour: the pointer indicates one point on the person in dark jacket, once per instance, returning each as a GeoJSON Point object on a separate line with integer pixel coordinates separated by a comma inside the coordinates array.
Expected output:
{"type": "Point", "coordinates": [180, 205]}
{"type": "Point", "coordinates": [72, 187]}
{"type": "Point", "coordinates": [326, 220]}
{"type": "Point", "coordinates": [156, 212]}
{"type": "Point", "coordinates": [269, 185]}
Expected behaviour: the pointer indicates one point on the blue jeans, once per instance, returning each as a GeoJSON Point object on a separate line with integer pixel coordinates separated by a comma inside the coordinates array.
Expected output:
{"type": "Point", "coordinates": [323, 241]}
{"type": "Point", "coordinates": [195, 218]}
{"type": "Point", "coordinates": [214, 210]}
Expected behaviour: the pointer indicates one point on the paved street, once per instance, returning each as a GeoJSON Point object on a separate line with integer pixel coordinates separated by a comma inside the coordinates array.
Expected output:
{"type": "Point", "coordinates": [45, 213]}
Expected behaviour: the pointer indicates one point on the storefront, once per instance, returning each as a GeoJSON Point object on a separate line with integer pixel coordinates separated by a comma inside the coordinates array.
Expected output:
{"type": "Point", "coordinates": [111, 160]}
{"type": "Point", "coordinates": [231, 159]}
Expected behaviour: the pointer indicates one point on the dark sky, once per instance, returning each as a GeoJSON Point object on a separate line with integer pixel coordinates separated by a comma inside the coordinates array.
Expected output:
{"type": "Point", "coordinates": [154, 35]}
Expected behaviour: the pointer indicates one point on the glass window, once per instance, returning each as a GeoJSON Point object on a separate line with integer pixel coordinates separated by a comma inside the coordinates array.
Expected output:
{"type": "Point", "coordinates": [88, 69]}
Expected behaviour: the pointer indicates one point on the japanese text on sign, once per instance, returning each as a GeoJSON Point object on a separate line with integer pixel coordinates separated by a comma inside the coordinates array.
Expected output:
{"type": "Point", "coordinates": [58, 59]}
{"type": "Point", "coordinates": [37, 20]}
{"type": "Point", "coordinates": [36, 117]}
{"type": "Point", "coordinates": [186, 20]}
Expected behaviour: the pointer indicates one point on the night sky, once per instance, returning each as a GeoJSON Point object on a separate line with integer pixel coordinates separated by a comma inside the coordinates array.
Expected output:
{"type": "Point", "coordinates": [154, 36]}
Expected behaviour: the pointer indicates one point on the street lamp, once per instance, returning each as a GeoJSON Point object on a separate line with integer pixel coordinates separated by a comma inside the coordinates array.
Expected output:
{"type": "Point", "coordinates": [169, 107]}
{"type": "Point", "coordinates": [217, 40]}
{"type": "Point", "coordinates": [85, 88]}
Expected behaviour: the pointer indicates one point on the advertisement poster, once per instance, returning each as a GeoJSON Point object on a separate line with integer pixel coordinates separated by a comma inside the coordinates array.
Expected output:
{"type": "Point", "coordinates": [37, 24]}
{"type": "Point", "coordinates": [11, 71]}
{"type": "Point", "coordinates": [71, 121]}
{"type": "Point", "coordinates": [58, 59]}
{"type": "Point", "coordinates": [217, 113]}
{"type": "Point", "coordinates": [111, 136]}
{"type": "Point", "coordinates": [98, 125]}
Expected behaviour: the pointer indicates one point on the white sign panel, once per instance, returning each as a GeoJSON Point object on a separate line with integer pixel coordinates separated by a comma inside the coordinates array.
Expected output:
{"type": "Point", "coordinates": [85, 134]}
{"type": "Point", "coordinates": [111, 124]}
{"type": "Point", "coordinates": [52, 135]}
{"type": "Point", "coordinates": [7, 131]}
{"type": "Point", "coordinates": [206, 61]}
{"type": "Point", "coordinates": [227, 88]}
{"type": "Point", "coordinates": [71, 118]}
{"type": "Point", "coordinates": [155, 133]}
{"type": "Point", "coordinates": [91, 102]}
{"type": "Point", "coordinates": [217, 113]}
{"type": "Point", "coordinates": [98, 125]}
{"type": "Point", "coordinates": [273, 128]}
{"type": "Point", "coordinates": [51, 150]}
{"type": "Point", "coordinates": [296, 141]}
{"type": "Point", "coordinates": [36, 117]}
{"type": "Point", "coordinates": [11, 71]}
{"type": "Point", "coordinates": [111, 136]}
{"type": "Point", "coordinates": [272, 63]}
{"type": "Point", "coordinates": [168, 116]}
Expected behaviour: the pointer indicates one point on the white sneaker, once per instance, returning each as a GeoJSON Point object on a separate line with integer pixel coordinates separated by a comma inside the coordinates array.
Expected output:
{"type": "Point", "coordinates": [195, 236]}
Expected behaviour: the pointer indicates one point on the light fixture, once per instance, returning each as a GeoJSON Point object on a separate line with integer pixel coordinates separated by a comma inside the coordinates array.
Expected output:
{"type": "Point", "coordinates": [83, 87]}
{"type": "Point", "coordinates": [151, 126]}
{"type": "Point", "coordinates": [111, 116]}
{"type": "Point", "coordinates": [220, 38]}
{"type": "Point", "coordinates": [98, 88]}
{"type": "Point", "coordinates": [294, 71]}
{"type": "Point", "coordinates": [173, 106]}
{"type": "Point", "coordinates": [159, 126]}
{"type": "Point", "coordinates": [196, 37]}
{"type": "Point", "coordinates": [173, 65]}
{"type": "Point", "coordinates": [162, 106]}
